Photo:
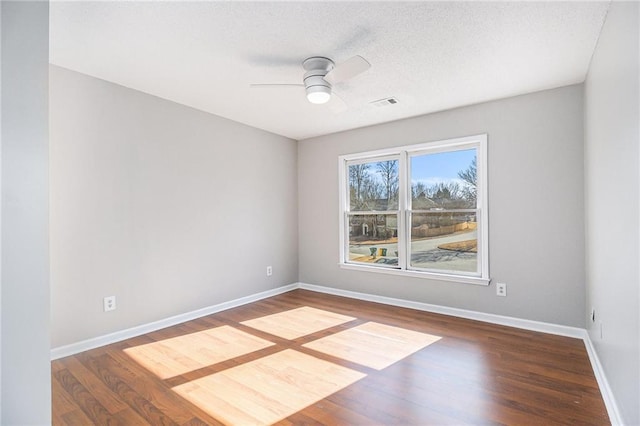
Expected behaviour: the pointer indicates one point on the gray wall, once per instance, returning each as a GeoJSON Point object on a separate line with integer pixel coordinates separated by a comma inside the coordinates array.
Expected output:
{"type": "Point", "coordinates": [536, 223]}
{"type": "Point", "coordinates": [612, 196]}
{"type": "Point", "coordinates": [26, 384]}
{"type": "Point", "coordinates": [168, 208]}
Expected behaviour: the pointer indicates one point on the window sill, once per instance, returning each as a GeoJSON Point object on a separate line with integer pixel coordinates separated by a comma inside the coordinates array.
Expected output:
{"type": "Point", "coordinates": [418, 274]}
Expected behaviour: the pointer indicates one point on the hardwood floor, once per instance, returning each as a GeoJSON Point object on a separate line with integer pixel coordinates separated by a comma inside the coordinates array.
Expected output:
{"type": "Point", "coordinates": [450, 371]}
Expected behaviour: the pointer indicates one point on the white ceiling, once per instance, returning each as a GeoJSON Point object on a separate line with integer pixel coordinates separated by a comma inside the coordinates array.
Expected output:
{"type": "Point", "coordinates": [431, 56]}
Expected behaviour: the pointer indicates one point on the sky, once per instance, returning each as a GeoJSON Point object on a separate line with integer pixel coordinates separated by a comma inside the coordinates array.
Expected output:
{"type": "Point", "coordinates": [439, 167]}
{"type": "Point", "coordinates": [435, 168]}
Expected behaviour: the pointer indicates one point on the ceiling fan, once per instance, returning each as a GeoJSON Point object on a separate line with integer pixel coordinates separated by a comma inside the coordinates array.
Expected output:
{"type": "Point", "coordinates": [320, 76]}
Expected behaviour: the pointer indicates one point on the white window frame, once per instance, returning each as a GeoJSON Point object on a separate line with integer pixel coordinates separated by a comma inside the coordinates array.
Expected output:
{"type": "Point", "coordinates": [404, 154]}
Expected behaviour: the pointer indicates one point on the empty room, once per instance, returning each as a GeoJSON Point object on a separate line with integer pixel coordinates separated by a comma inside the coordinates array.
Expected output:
{"type": "Point", "coordinates": [342, 212]}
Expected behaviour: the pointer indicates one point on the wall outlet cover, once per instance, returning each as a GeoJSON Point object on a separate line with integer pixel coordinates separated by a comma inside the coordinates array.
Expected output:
{"type": "Point", "coordinates": [501, 289]}
{"type": "Point", "coordinates": [109, 303]}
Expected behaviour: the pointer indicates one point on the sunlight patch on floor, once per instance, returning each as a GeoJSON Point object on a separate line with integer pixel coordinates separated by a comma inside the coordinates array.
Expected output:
{"type": "Point", "coordinates": [268, 389]}
{"type": "Point", "coordinates": [372, 344]}
{"type": "Point", "coordinates": [297, 322]}
{"type": "Point", "coordinates": [178, 355]}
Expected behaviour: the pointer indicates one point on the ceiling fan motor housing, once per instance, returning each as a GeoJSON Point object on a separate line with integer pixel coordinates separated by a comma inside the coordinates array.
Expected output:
{"type": "Point", "coordinates": [314, 83]}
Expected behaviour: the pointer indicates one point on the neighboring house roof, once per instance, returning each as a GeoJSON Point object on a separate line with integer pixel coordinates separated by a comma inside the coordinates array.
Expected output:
{"type": "Point", "coordinates": [379, 204]}
{"type": "Point", "coordinates": [423, 203]}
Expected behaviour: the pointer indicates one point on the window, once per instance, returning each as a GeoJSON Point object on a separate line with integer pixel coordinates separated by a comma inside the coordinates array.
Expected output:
{"type": "Point", "coordinates": [417, 210]}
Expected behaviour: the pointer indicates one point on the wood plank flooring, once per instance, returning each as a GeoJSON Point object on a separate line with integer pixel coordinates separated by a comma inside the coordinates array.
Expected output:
{"type": "Point", "coordinates": [372, 344]}
{"type": "Point", "coordinates": [178, 355]}
{"type": "Point", "coordinates": [267, 389]}
{"type": "Point", "coordinates": [445, 371]}
{"type": "Point", "coordinates": [297, 322]}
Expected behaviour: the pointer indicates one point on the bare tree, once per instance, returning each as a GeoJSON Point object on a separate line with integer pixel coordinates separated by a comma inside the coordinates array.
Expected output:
{"type": "Point", "coordinates": [358, 175]}
{"type": "Point", "coordinates": [419, 189]}
{"type": "Point", "coordinates": [445, 193]}
{"type": "Point", "coordinates": [389, 172]}
{"type": "Point", "coordinates": [372, 189]}
{"type": "Point", "coordinates": [470, 178]}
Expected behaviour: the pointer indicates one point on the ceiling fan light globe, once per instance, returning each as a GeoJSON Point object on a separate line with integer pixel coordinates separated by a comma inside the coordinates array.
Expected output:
{"type": "Point", "coordinates": [318, 97]}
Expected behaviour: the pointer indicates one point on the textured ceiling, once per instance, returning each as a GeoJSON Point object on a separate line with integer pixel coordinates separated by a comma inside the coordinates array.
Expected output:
{"type": "Point", "coordinates": [431, 56]}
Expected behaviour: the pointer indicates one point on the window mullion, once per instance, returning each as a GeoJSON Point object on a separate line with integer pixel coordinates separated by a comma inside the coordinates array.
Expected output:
{"type": "Point", "coordinates": [403, 203]}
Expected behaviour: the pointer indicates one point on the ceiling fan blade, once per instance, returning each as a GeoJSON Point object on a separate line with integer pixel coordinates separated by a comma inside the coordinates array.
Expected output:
{"type": "Point", "coordinates": [274, 85]}
{"type": "Point", "coordinates": [347, 69]}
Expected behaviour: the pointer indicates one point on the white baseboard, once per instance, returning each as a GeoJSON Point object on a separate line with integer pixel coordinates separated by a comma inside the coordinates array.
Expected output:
{"type": "Point", "coordinates": [607, 395]}
{"type": "Point", "coordinates": [561, 330]}
{"type": "Point", "coordinates": [118, 336]}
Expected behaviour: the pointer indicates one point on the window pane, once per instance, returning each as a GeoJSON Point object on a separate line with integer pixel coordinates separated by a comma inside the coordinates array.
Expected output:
{"type": "Point", "coordinates": [373, 239]}
{"type": "Point", "coordinates": [373, 186]}
{"type": "Point", "coordinates": [445, 180]}
{"type": "Point", "coordinates": [444, 241]}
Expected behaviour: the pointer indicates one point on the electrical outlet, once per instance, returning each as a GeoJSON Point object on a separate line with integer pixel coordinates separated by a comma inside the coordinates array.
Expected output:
{"type": "Point", "coordinates": [269, 271]}
{"type": "Point", "coordinates": [501, 289]}
{"type": "Point", "coordinates": [109, 303]}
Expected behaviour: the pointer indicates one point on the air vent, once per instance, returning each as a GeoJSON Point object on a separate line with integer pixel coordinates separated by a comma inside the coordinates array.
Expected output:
{"type": "Point", "coordinates": [385, 102]}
